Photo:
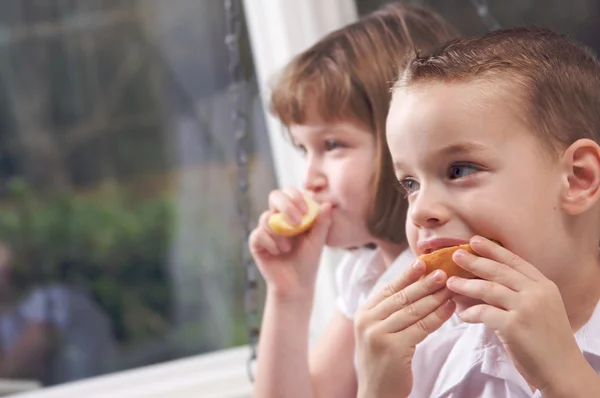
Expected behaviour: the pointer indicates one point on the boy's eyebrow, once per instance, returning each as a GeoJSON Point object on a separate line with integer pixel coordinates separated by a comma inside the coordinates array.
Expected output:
{"type": "Point", "coordinates": [462, 147]}
{"type": "Point", "coordinates": [452, 149]}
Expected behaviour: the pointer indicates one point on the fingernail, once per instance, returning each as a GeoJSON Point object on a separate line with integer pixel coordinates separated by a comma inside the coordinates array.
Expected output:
{"type": "Point", "coordinates": [477, 239]}
{"type": "Point", "coordinates": [437, 276]}
{"type": "Point", "coordinates": [460, 253]}
{"type": "Point", "coordinates": [448, 304]}
{"type": "Point", "coordinates": [418, 265]}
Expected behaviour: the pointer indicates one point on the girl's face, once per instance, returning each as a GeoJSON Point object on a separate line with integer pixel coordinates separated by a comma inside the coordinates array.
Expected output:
{"type": "Point", "coordinates": [340, 169]}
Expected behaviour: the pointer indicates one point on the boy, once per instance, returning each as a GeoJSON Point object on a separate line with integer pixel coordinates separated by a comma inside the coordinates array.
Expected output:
{"type": "Point", "coordinates": [494, 136]}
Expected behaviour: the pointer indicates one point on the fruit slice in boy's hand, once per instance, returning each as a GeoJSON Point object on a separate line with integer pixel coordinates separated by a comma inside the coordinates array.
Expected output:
{"type": "Point", "coordinates": [281, 226]}
{"type": "Point", "coordinates": [442, 259]}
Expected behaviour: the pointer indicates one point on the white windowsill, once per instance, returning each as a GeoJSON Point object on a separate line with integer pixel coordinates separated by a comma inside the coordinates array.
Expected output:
{"type": "Point", "coordinates": [220, 374]}
{"type": "Point", "coordinates": [8, 387]}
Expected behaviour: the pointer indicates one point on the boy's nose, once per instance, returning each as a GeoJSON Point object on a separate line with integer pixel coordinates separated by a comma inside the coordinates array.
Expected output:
{"type": "Point", "coordinates": [428, 209]}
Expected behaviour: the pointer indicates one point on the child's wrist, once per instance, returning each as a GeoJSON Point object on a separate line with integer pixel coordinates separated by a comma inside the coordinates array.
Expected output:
{"type": "Point", "coordinates": [581, 382]}
{"type": "Point", "coordinates": [299, 297]}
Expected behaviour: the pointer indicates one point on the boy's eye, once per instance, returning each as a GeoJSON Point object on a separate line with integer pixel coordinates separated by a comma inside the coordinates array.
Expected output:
{"type": "Point", "coordinates": [409, 185]}
{"type": "Point", "coordinates": [331, 145]}
{"type": "Point", "coordinates": [461, 171]}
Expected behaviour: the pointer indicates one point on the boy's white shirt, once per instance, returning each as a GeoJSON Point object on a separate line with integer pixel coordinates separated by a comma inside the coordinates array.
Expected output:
{"type": "Point", "coordinates": [361, 272]}
{"type": "Point", "coordinates": [468, 360]}
{"type": "Point", "coordinates": [459, 360]}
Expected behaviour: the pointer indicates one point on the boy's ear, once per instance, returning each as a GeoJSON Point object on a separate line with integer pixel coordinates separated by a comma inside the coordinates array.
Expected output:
{"type": "Point", "coordinates": [581, 167]}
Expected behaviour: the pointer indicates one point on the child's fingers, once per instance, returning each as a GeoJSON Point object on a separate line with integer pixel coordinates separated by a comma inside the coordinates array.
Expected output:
{"type": "Point", "coordinates": [491, 292]}
{"type": "Point", "coordinates": [281, 202]}
{"type": "Point", "coordinates": [416, 311]}
{"type": "Point", "coordinates": [491, 270]}
{"type": "Point", "coordinates": [260, 241]}
{"type": "Point", "coordinates": [318, 232]}
{"type": "Point", "coordinates": [297, 198]}
{"type": "Point", "coordinates": [283, 243]}
{"type": "Point", "coordinates": [492, 317]}
{"type": "Point", "coordinates": [263, 239]}
{"type": "Point", "coordinates": [409, 276]}
{"type": "Point", "coordinates": [491, 250]}
{"type": "Point", "coordinates": [411, 294]}
{"type": "Point", "coordinates": [417, 332]}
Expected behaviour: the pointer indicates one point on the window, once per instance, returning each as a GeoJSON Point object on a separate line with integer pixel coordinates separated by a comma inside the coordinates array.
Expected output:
{"type": "Point", "coordinates": [119, 233]}
{"type": "Point", "coordinates": [578, 18]}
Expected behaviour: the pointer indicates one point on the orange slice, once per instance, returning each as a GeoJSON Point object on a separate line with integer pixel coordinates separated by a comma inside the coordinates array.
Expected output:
{"type": "Point", "coordinates": [282, 227]}
{"type": "Point", "coordinates": [442, 259]}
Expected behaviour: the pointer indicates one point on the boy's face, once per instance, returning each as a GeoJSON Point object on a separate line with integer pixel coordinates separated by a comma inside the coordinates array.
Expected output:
{"type": "Point", "coordinates": [470, 166]}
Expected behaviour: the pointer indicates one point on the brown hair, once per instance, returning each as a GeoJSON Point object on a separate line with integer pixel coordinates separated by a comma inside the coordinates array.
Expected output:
{"type": "Point", "coordinates": [347, 75]}
{"type": "Point", "coordinates": [557, 78]}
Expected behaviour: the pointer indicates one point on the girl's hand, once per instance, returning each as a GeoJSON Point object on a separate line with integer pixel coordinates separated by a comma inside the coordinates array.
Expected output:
{"type": "Point", "coordinates": [289, 265]}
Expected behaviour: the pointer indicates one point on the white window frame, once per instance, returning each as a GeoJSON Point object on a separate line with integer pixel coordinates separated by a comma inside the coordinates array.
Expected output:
{"type": "Point", "coordinates": [278, 30]}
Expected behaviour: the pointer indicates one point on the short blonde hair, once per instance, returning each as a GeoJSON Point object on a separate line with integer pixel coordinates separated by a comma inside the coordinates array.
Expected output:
{"type": "Point", "coordinates": [557, 79]}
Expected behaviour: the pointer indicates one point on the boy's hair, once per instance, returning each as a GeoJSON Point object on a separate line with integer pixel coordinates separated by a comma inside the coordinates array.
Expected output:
{"type": "Point", "coordinates": [348, 75]}
{"type": "Point", "coordinates": [557, 79]}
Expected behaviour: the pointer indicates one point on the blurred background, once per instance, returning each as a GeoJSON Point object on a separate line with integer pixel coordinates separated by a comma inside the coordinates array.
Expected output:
{"type": "Point", "coordinates": [120, 237]}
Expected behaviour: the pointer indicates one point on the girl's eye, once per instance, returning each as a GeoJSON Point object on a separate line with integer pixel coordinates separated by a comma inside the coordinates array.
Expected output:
{"type": "Point", "coordinates": [409, 185]}
{"type": "Point", "coordinates": [461, 170]}
{"type": "Point", "coordinates": [331, 145]}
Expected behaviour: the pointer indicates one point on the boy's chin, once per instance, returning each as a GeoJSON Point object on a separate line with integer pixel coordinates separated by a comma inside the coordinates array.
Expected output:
{"type": "Point", "coordinates": [463, 302]}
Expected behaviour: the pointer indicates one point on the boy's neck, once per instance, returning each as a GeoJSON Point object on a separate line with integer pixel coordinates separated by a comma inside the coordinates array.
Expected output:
{"type": "Point", "coordinates": [581, 296]}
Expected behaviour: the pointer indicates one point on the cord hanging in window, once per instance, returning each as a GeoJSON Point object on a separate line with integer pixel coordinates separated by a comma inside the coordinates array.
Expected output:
{"type": "Point", "coordinates": [239, 119]}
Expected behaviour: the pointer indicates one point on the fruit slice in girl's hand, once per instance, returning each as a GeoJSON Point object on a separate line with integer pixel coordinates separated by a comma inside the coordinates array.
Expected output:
{"type": "Point", "coordinates": [281, 226]}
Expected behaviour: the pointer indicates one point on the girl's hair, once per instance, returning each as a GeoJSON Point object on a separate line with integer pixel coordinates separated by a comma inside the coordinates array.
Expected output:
{"type": "Point", "coordinates": [348, 75]}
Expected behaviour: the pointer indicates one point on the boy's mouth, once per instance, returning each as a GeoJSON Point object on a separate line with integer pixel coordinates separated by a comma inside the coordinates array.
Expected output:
{"type": "Point", "coordinates": [433, 244]}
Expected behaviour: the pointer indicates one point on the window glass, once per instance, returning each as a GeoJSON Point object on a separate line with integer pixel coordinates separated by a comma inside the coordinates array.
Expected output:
{"type": "Point", "coordinates": [119, 231]}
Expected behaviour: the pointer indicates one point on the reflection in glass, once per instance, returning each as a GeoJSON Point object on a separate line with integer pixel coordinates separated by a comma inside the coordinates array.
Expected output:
{"type": "Point", "coordinates": [118, 226]}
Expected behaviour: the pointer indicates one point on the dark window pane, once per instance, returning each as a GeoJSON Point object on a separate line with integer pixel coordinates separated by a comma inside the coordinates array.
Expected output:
{"type": "Point", "coordinates": [578, 18]}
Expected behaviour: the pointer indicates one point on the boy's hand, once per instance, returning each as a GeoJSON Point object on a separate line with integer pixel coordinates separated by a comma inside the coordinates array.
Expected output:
{"type": "Point", "coordinates": [392, 323]}
{"type": "Point", "coordinates": [526, 311]}
{"type": "Point", "coordinates": [289, 265]}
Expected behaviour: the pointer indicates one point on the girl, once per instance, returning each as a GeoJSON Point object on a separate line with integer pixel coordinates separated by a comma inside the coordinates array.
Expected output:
{"type": "Point", "coordinates": [334, 100]}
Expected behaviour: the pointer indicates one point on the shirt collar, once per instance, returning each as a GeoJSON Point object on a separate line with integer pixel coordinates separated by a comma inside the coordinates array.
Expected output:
{"type": "Point", "coordinates": [477, 350]}
{"type": "Point", "coordinates": [588, 337]}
